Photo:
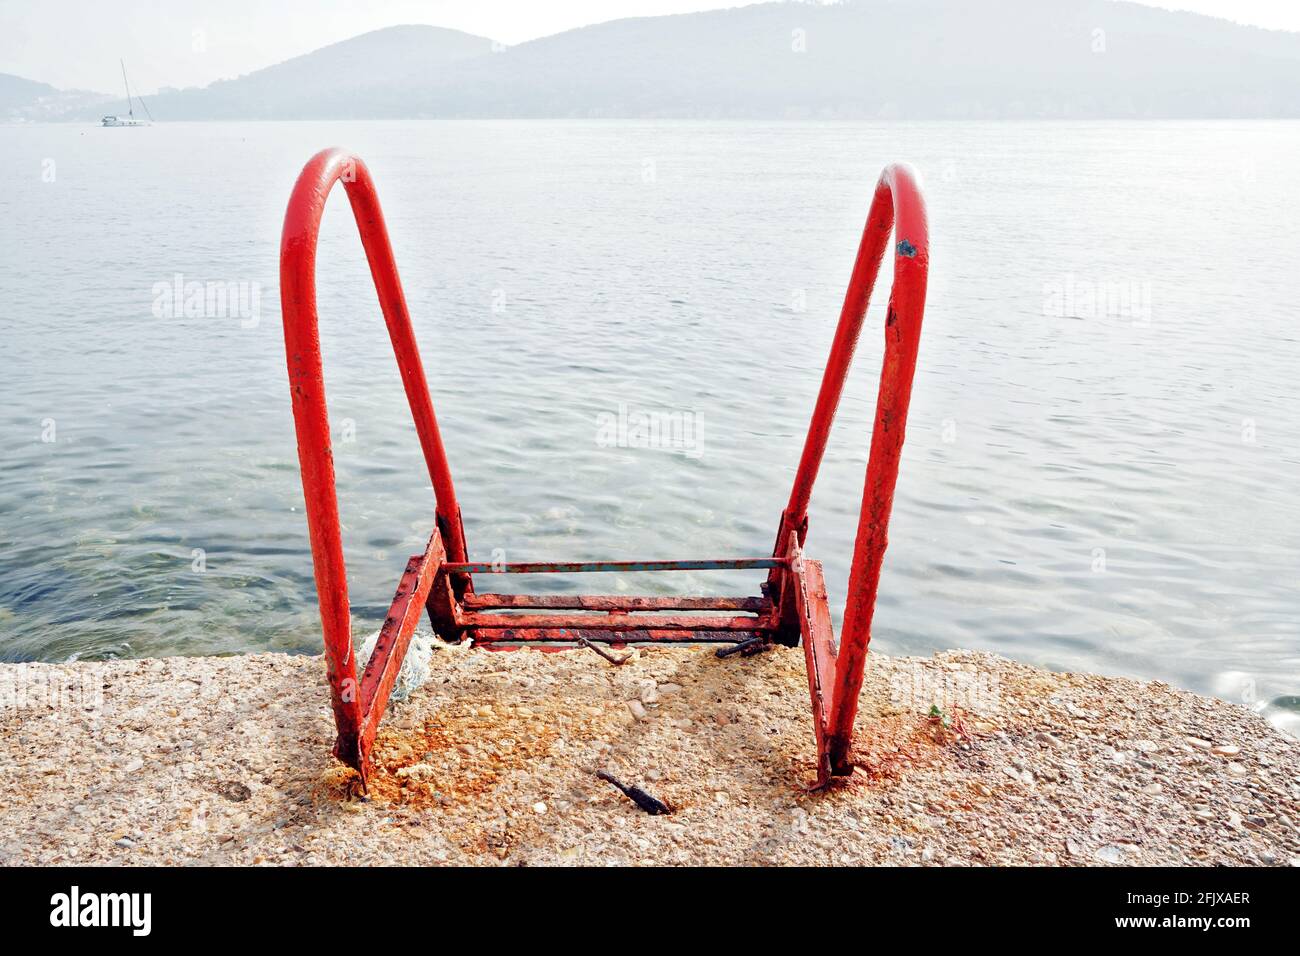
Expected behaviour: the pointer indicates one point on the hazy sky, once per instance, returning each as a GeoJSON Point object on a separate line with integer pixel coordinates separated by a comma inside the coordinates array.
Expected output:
{"type": "Point", "coordinates": [76, 43]}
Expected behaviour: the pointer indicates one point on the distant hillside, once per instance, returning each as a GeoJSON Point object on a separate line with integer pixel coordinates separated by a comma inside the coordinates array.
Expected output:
{"type": "Point", "coordinates": [372, 74]}
{"type": "Point", "coordinates": [22, 99]}
{"type": "Point", "coordinates": [866, 59]}
{"type": "Point", "coordinates": [880, 58]}
{"type": "Point", "coordinates": [16, 93]}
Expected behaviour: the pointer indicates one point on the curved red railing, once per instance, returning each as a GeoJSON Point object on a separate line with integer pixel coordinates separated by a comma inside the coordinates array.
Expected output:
{"type": "Point", "coordinates": [310, 415]}
{"type": "Point", "coordinates": [896, 208]}
{"type": "Point", "coordinates": [439, 580]}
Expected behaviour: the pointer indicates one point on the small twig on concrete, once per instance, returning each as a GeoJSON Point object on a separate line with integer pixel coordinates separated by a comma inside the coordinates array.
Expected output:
{"type": "Point", "coordinates": [651, 805]}
{"type": "Point", "coordinates": [616, 661]}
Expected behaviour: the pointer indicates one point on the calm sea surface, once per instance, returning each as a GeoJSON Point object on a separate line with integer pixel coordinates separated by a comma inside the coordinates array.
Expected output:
{"type": "Point", "coordinates": [1103, 459]}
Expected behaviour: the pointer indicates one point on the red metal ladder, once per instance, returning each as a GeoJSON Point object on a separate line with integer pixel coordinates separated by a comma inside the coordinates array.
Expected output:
{"type": "Point", "coordinates": [792, 607]}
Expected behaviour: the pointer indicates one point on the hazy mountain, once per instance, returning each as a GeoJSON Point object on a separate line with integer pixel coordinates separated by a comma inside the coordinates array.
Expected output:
{"type": "Point", "coordinates": [865, 59]}
{"type": "Point", "coordinates": [368, 75]}
{"type": "Point", "coordinates": [879, 58]}
{"type": "Point", "coordinates": [22, 99]}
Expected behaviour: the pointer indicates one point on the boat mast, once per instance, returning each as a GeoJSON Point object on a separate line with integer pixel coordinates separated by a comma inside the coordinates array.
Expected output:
{"type": "Point", "coordinates": [130, 110]}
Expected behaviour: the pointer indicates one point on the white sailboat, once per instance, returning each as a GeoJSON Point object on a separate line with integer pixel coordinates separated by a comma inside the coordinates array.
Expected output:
{"type": "Point", "coordinates": [129, 119]}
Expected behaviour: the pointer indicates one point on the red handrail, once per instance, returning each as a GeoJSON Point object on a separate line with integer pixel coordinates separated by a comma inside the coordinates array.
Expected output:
{"type": "Point", "coordinates": [898, 208]}
{"type": "Point", "coordinates": [311, 417]}
{"type": "Point", "coordinates": [795, 605]}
